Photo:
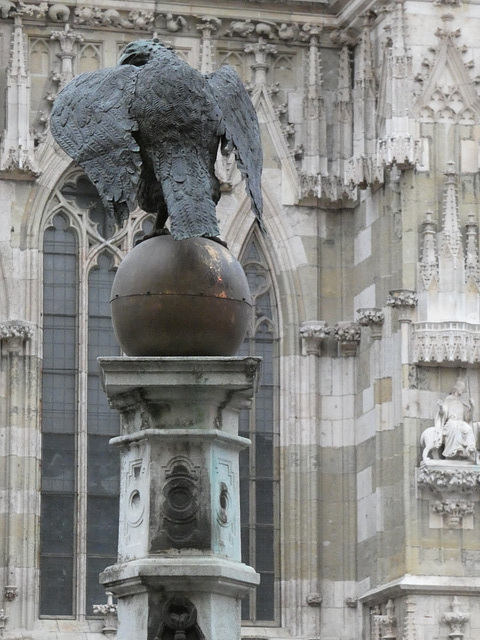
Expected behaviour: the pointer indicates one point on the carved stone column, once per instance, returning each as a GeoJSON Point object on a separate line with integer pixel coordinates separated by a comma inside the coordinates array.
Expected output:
{"type": "Point", "coordinates": [19, 452]}
{"type": "Point", "coordinates": [207, 26]}
{"type": "Point", "coordinates": [260, 67]}
{"type": "Point", "coordinates": [405, 301]}
{"type": "Point", "coordinates": [179, 567]}
{"type": "Point", "coordinates": [67, 39]}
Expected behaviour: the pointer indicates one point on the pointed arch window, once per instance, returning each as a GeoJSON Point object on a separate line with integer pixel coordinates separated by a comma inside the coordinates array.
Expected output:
{"type": "Point", "coordinates": [259, 478]}
{"type": "Point", "coordinates": [80, 474]}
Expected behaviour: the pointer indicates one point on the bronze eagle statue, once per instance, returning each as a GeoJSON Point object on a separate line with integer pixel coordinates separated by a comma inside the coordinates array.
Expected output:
{"type": "Point", "coordinates": [147, 132]}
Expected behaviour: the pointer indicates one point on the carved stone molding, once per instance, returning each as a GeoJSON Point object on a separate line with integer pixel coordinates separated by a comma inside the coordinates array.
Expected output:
{"type": "Point", "coordinates": [386, 622]}
{"type": "Point", "coordinates": [347, 334]}
{"type": "Point", "coordinates": [402, 150]}
{"type": "Point", "coordinates": [15, 330]}
{"type": "Point", "coordinates": [179, 620]}
{"type": "Point", "coordinates": [67, 39]}
{"type": "Point", "coordinates": [362, 171]}
{"type": "Point", "coordinates": [261, 50]}
{"type": "Point", "coordinates": [405, 300]}
{"type": "Point", "coordinates": [3, 621]}
{"type": "Point", "coordinates": [372, 317]}
{"type": "Point", "coordinates": [448, 477]}
{"type": "Point", "coordinates": [452, 488]}
{"type": "Point", "coordinates": [180, 525]}
{"type": "Point", "coordinates": [446, 342]}
{"type": "Point", "coordinates": [456, 620]}
{"type": "Point", "coordinates": [312, 333]}
{"type": "Point", "coordinates": [10, 592]}
{"type": "Point", "coordinates": [314, 600]}
{"type": "Point", "coordinates": [112, 18]}
{"type": "Point", "coordinates": [453, 511]}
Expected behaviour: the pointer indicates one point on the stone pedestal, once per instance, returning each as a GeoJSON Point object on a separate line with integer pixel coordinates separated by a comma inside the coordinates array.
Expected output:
{"type": "Point", "coordinates": [179, 570]}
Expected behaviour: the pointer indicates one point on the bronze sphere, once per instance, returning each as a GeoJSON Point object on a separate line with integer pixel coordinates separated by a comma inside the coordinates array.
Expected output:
{"type": "Point", "coordinates": [180, 298]}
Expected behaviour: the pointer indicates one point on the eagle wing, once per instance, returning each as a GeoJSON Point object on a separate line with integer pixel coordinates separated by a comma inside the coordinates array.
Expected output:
{"type": "Point", "coordinates": [241, 130]}
{"type": "Point", "coordinates": [90, 120]}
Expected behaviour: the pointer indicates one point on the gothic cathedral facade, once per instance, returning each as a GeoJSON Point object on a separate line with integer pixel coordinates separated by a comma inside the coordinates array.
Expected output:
{"type": "Point", "coordinates": [360, 493]}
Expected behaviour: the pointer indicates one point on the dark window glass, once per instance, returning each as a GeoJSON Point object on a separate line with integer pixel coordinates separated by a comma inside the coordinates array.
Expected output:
{"type": "Point", "coordinates": [57, 534]}
{"type": "Point", "coordinates": [80, 470]}
{"type": "Point", "coordinates": [258, 474]}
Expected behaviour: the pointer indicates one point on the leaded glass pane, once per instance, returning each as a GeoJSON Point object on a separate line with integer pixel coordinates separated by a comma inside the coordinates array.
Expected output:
{"type": "Point", "coordinates": [59, 417]}
{"type": "Point", "coordinates": [56, 586]}
{"type": "Point", "coordinates": [79, 520]}
{"type": "Point", "coordinates": [258, 475]}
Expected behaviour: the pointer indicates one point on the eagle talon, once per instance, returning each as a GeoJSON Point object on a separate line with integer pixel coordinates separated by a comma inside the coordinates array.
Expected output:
{"type": "Point", "coordinates": [217, 239]}
{"type": "Point", "coordinates": [153, 234]}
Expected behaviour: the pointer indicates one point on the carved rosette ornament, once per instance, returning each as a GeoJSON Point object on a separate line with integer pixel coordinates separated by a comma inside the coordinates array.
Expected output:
{"type": "Point", "coordinates": [347, 334]}
{"type": "Point", "coordinates": [456, 620]}
{"type": "Point", "coordinates": [405, 300]}
{"type": "Point", "coordinates": [373, 318]}
{"type": "Point", "coordinates": [312, 333]}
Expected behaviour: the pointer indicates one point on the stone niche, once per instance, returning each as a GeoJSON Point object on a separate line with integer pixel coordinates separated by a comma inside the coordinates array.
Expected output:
{"type": "Point", "coordinates": [449, 474]}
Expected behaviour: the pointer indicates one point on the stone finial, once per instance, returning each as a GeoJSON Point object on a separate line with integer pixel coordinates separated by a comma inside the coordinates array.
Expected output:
{"type": "Point", "coordinates": [67, 39]}
{"type": "Point", "coordinates": [109, 612]}
{"type": "Point", "coordinates": [261, 50]}
{"type": "Point", "coordinates": [387, 622]}
{"type": "Point", "coordinates": [207, 26]}
{"type": "Point", "coordinates": [17, 158]}
{"type": "Point", "coordinates": [456, 620]}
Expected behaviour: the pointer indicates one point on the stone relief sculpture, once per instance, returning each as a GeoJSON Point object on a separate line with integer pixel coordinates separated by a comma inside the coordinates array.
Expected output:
{"type": "Point", "coordinates": [453, 436]}
{"type": "Point", "coordinates": [148, 132]}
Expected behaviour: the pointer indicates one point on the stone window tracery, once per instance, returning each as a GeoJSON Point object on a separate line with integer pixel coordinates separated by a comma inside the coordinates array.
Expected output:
{"type": "Point", "coordinates": [79, 518]}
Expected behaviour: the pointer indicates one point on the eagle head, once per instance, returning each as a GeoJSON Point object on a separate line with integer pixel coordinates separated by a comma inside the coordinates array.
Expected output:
{"type": "Point", "coordinates": [140, 52]}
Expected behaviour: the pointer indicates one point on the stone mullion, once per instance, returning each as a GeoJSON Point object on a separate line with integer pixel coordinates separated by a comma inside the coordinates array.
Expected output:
{"type": "Point", "coordinates": [81, 452]}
